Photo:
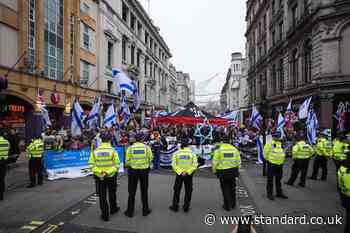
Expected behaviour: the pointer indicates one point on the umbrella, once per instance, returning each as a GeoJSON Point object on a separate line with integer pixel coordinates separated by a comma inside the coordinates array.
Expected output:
{"type": "Point", "coordinates": [190, 115]}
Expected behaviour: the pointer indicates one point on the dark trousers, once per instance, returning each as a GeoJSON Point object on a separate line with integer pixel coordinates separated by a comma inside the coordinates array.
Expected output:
{"type": "Point", "coordinates": [227, 180]}
{"type": "Point", "coordinates": [3, 168]}
{"type": "Point", "coordinates": [274, 172]}
{"type": "Point", "coordinates": [188, 181]}
{"type": "Point", "coordinates": [107, 184]}
{"type": "Point", "coordinates": [35, 169]}
{"type": "Point", "coordinates": [156, 159]}
{"type": "Point", "coordinates": [299, 166]}
{"type": "Point", "coordinates": [134, 177]}
{"type": "Point", "coordinates": [320, 162]}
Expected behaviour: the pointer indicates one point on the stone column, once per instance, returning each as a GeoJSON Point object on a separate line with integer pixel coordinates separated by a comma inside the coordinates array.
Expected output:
{"type": "Point", "coordinates": [326, 110]}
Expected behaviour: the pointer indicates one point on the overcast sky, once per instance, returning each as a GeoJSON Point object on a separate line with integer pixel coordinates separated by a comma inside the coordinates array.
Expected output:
{"type": "Point", "coordinates": [201, 34]}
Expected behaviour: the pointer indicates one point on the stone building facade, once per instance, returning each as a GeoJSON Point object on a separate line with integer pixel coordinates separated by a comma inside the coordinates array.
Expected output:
{"type": "Point", "coordinates": [183, 88]}
{"type": "Point", "coordinates": [40, 52]}
{"type": "Point", "coordinates": [296, 49]}
{"type": "Point", "coordinates": [234, 92]}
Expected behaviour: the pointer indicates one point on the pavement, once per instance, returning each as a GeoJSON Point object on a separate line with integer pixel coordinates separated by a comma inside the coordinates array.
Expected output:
{"type": "Point", "coordinates": [72, 206]}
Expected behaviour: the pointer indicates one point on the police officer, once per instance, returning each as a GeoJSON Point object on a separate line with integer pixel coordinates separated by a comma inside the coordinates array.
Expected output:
{"type": "Point", "coordinates": [35, 152]}
{"type": "Point", "coordinates": [138, 160]}
{"type": "Point", "coordinates": [343, 176]}
{"type": "Point", "coordinates": [184, 163]}
{"type": "Point", "coordinates": [226, 164]}
{"type": "Point", "coordinates": [275, 157]}
{"type": "Point", "coordinates": [340, 149]}
{"type": "Point", "coordinates": [4, 150]}
{"type": "Point", "coordinates": [104, 163]}
{"type": "Point", "coordinates": [323, 151]}
{"type": "Point", "coordinates": [301, 154]}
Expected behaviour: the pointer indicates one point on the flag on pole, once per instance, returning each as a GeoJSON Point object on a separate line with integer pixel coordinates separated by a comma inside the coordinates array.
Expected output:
{"type": "Point", "coordinates": [304, 108]}
{"type": "Point", "coordinates": [110, 117]}
{"type": "Point", "coordinates": [280, 125]}
{"type": "Point", "coordinates": [311, 127]}
{"type": "Point", "coordinates": [232, 117]}
{"type": "Point", "coordinates": [124, 112]}
{"type": "Point", "coordinates": [289, 117]}
{"type": "Point", "coordinates": [77, 119]}
{"type": "Point", "coordinates": [340, 116]}
{"type": "Point", "coordinates": [94, 114]}
{"type": "Point", "coordinates": [255, 118]}
{"type": "Point", "coordinates": [259, 145]}
{"type": "Point", "coordinates": [42, 106]}
{"type": "Point", "coordinates": [124, 81]}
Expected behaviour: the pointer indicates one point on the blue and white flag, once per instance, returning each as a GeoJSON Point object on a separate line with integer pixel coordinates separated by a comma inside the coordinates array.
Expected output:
{"type": "Point", "coordinates": [46, 117]}
{"type": "Point", "coordinates": [255, 118]}
{"type": "Point", "coordinates": [77, 119]}
{"type": "Point", "coordinates": [259, 145]}
{"type": "Point", "coordinates": [110, 117]}
{"type": "Point", "coordinates": [124, 81]}
{"type": "Point", "coordinates": [311, 127]}
{"type": "Point", "coordinates": [304, 108]}
{"type": "Point", "coordinates": [280, 125]}
{"type": "Point", "coordinates": [94, 114]}
{"type": "Point", "coordinates": [124, 111]}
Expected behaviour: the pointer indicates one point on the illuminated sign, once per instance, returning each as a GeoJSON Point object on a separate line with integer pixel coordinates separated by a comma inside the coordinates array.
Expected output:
{"type": "Point", "coordinates": [12, 108]}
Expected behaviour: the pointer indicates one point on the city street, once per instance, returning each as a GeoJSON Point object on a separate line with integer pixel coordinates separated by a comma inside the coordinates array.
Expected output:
{"type": "Point", "coordinates": [72, 206]}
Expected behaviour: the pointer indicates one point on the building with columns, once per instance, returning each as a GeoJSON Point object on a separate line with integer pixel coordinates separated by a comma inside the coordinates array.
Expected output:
{"type": "Point", "coordinates": [40, 52]}
{"type": "Point", "coordinates": [234, 91]}
{"type": "Point", "coordinates": [128, 39]}
{"type": "Point", "coordinates": [296, 49]}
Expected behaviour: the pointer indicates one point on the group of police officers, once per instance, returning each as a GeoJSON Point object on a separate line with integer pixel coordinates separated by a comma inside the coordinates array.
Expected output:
{"type": "Point", "coordinates": [104, 163]}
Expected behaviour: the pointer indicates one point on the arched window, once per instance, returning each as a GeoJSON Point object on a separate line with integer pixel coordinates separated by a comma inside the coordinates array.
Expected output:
{"type": "Point", "coordinates": [307, 61]}
{"type": "Point", "coordinates": [295, 68]}
{"type": "Point", "coordinates": [345, 50]}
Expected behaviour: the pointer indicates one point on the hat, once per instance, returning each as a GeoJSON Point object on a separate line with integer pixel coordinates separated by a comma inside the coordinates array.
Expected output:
{"type": "Point", "coordinates": [139, 137]}
{"type": "Point", "coordinates": [105, 135]}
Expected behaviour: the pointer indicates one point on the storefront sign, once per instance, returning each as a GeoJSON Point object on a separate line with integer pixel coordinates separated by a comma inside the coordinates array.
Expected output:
{"type": "Point", "coordinates": [12, 108]}
{"type": "Point", "coordinates": [55, 98]}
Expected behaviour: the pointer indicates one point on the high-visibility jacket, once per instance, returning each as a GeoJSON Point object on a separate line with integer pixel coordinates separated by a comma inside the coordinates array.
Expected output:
{"type": "Point", "coordinates": [302, 150]}
{"type": "Point", "coordinates": [274, 153]}
{"type": "Point", "coordinates": [4, 148]}
{"type": "Point", "coordinates": [35, 149]}
{"type": "Point", "coordinates": [184, 160]}
{"type": "Point", "coordinates": [225, 157]}
{"type": "Point", "coordinates": [340, 149]}
{"type": "Point", "coordinates": [138, 156]}
{"type": "Point", "coordinates": [104, 159]}
{"type": "Point", "coordinates": [344, 180]}
{"type": "Point", "coordinates": [324, 147]}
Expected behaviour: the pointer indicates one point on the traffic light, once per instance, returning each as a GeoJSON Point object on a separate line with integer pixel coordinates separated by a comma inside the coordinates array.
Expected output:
{"type": "Point", "coordinates": [3, 83]}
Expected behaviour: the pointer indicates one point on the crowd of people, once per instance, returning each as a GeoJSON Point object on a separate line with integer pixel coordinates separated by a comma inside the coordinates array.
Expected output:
{"type": "Point", "coordinates": [144, 145]}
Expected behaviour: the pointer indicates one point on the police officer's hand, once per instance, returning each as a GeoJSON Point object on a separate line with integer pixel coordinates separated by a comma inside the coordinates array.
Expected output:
{"type": "Point", "coordinates": [103, 174]}
{"type": "Point", "coordinates": [184, 174]}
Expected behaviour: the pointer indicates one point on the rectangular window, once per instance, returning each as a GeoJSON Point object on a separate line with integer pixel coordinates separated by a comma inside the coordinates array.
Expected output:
{"type": "Point", "coordinates": [146, 66]}
{"type": "Point", "coordinates": [84, 81]}
{"type": "Point", "coordinates": [138, 57]}
{"type": "Point", "coordinates": [281, 74]}
{"type": "Point", "coordinates": [31, 34]}
{"type": "Point", "coordinates": [139, 29]}
{"type": "Point", "coordinates": [109, 86]}
{"type": "Point", "coordinates": [280, 30]}
{"type": "Point", "coordinates": [294, 16]}
{"type": "Point", "coordinates": [133, 22]}
{"type": "Point", "coordinates": [125, 12]}
{"type": "Point", "coordinates": [274, 80]}
{"type": "Point", "coordinates": [53, 39]}
{"type": "Point", "coordinates": [86, 36]}
{"type": "Point", "coordinates": [273, 35]}
{"type": "Point", "coordinates": [132, 53]}
{"type": "Point", "coordinates": [146, 38]}
{"type": "Point", "coordinates": [110, 54]}
{"type": "Point", "coordinates": [124, 49]}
